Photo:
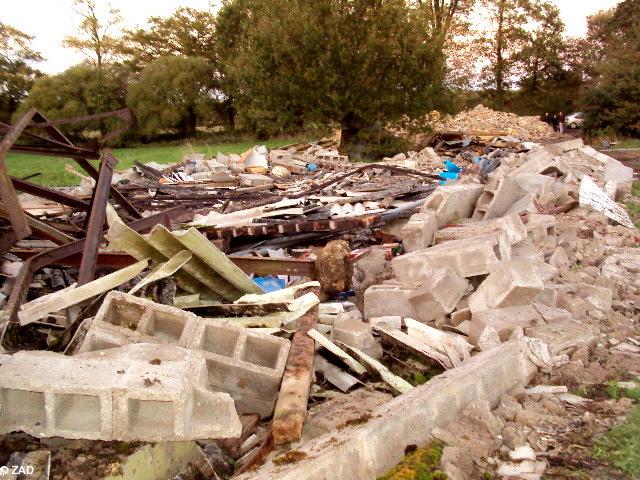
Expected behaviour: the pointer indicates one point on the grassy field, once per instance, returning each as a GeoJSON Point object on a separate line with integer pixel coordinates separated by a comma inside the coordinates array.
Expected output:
{"type": "Point", "coordinates": [53, 172]}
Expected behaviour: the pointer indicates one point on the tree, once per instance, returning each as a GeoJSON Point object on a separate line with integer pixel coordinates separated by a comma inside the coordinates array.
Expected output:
{"type": "Point", "coordinates": [172, 92]}
{"type": "Point", "coordinates": [612, 102]}
{"type": "Point", "coordinates": [16, 71]}
{"type": "Point", "coordinates": [93, 37]}
{"type": "Point", "coordinates": [352, 62]}
{"type": "Point", "coordinates": [79, 90]}
{"type": "Point", "coordinates": [444, 16]}
{"type": "Point", "coordinates": [508, 19]}
{"type": "Point", "coordinates": [187, 32]}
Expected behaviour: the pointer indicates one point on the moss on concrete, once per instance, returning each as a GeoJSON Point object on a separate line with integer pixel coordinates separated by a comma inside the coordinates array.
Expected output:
{"type": "Point", "coordinates": [421, 464]}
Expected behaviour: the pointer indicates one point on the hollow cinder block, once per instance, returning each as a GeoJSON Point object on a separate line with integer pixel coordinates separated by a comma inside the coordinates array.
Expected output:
{"type": "Point", "coordinates": [134, 392]}
{"type": "Point", "coordinates": [246, 364]}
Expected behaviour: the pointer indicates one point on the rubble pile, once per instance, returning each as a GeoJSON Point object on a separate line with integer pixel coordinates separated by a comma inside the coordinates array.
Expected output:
{"type": "Point", "coordinates": [271, 307]}
{"type": "Point", "coordinates": [481, 118]}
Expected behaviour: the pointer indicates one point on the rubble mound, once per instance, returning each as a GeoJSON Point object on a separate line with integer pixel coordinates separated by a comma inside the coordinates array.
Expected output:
{"type": "Point", "coordinates": [484, 119]}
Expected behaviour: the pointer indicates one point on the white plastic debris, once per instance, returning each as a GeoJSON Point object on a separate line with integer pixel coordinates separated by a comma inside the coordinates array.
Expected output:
{"type": "Point", "coordinates": [593, 196]}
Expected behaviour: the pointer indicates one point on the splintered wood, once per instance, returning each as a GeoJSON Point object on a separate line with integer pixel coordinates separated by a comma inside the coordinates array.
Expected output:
{"type": "Point", "coordinates": [291, 406]}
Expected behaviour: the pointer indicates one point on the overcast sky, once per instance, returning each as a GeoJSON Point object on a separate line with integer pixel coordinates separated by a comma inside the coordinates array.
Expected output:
{"type": "Point", "coordinates": [51, 20]}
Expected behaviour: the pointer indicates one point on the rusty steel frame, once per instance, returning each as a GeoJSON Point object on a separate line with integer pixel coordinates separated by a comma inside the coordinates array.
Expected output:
{"type": "Point", "coordinates": [261, 266]}
{"type": "Point", "coordinates": [35, 263]}
{"type": "Point", "coordinates": [50, 194]}
{"type": "Point", "coordinates": [96, 218]}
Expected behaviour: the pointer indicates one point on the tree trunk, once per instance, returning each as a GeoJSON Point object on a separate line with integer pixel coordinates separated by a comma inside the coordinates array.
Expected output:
{"type": "Point", "coordinates": [349, 132]}
{"type": "Point", "coordinates": [188, 125]}
{"type": "Point", "coordinates": [499, 57]}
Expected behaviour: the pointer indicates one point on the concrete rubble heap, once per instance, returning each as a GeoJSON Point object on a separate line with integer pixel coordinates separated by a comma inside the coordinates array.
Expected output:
{"type": "Point", "coordinates": [236, 339]}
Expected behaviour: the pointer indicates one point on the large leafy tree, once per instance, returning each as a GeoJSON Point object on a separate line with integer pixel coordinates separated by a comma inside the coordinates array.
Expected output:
{"type": "Point", "coordinates": [187, 32]}
{"type": "Point", "coordinates": [352, 62]}
{"type": "Point", "coordinates": [613, 102]}
{"type": "Point", "coordinates": [80, 90]}
{"type": "Point", "coordinates": [17, 71]}
{"type": "Point", "coordinates": [94, 37]}
{"type": "Point", "coordinates": [172, 92]}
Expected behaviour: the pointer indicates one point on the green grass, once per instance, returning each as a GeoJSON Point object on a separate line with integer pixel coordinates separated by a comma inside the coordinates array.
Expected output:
{"type": "Point", "coordinates": [421, 464]}
{"type": "Point", "coordinates": [629, 143]}
{"type": "Point", "coordinates": [615, 392]}
{"type": "Point", "coordinates": [620, 446]}
{"type": "Point", "coordinates": [53, 172]}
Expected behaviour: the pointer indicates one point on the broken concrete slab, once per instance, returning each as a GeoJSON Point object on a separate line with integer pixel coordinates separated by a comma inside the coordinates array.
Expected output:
{"type": "Point", "coordinates": [419, 231]}
{"type": "Point", "coordinates": [387, 299]}
{"type": "Point", "coordinates": [509, 284]}
{"type": "Point", "coordinates": [469, 257]}
{"type": "Point", "coordinates": [438, 295]}
{"type": "Point", "coordinates": [244, 363]}
{"type": "Point", "coordinates": [135, 392]}
{"type": "Point", "coordinates": [452, 203]}
{"type": "Point", "coordinates": [370, 449]}
{"type": "Point", "coordinates": [510, 225]}
{"type": "Point", "coordinates": [503, 321]}
{"type": "Point", "coordinates": [357, 334]}
{"type": "Point", "coordinates": [563, 336]}
{"type": "Point", "coordinates": [500, 193]}
{"type": "Point", "coordinates": [254, 179]}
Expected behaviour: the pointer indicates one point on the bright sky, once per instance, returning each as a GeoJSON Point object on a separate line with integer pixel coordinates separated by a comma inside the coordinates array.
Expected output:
{"type": "Point", "coordinates": [51, 20]}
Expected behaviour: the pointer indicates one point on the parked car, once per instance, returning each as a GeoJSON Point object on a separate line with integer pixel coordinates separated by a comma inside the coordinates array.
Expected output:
{"type": "Point", "coordinates": [574, 120]}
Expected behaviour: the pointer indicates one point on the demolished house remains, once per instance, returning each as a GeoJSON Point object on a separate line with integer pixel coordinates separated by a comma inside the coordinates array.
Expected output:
{"type": "Point", "coordinates": [286, 314]}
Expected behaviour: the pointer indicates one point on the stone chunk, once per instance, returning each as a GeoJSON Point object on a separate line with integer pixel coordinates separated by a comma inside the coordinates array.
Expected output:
{"type": "Point", "coordinates": [469, 257]}
{"type": "Point", "coordinates": [510, 284]}
{"type": "Point", "coordinates": [511, 226]}
{"type": "Point", "coordinates": [438, 295]}
{"type": "Point", "coordinates": [503, 320]}
{"type": "Point", "coordinates": [563, 336]}
{"type": "Point", "coordinates": [136, 392]}
{"type": "Point", "coordinates": [419, 231]}
{"type": "Point", "coordinates": [254, 179]}
{"type": "Point", "coordinates": [387, 299]}
{"type": "Point", "coordinates": [357, 334]}
{"type": "Point", "coordinates": [552, 314]}
{"type": "Point", "coordinates": [452, 203]}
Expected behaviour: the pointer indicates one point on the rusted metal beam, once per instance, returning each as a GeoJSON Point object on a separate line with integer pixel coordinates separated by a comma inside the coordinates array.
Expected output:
{"type": "Point", "coordinates": [96, 218]}
{"type": "Point", "coordinates": [50, 194]}
{"type": "Point", "coordinates": [54, 152]}
{"type": "Point", "coordinates": [115, 194]}
{"type": "Point", "coordinates": [293, 227]}
{"type": "Point", "coordinates": [256, 265]}
{"type": "Point", "coordinates": [291, 406]}
{"type": "Point", "coordinates": [8, 195]}
{"type": "Point", "coordinates": [35, 263]}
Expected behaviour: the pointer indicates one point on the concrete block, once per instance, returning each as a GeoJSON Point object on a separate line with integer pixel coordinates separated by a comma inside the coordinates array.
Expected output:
{"type": "Point", "coordinates": [357, 334]}
{"type": "Point", "coordinates": [368, 267]}
{"type": "Point", "coordinates": [419, 231]}
{"type": "Point", "coordinates": [572, 303]}
{"type": "Point", "coordinates": [500, 193]}
{"type": "Point", "coordinates": [136, 392]}
{"type": "Point", "coordinates": [387, 299]}
{"type": "Point", "coordinates": [246, 364]}
{"type": "Point", "coordinates": [254, 179]}
{"type": "Point", "coordinates": [452, 203]}
{"type": "Point", "coordinates": [509, 284]}
{"type": "Point", "coordinates": [563, 147]}
{"type": "Point", "coordinates": [469, 257]}
{"type": "Point", "coordinates": [368, 450]}
{"type": "Point", "coordinates": [504, 321]}
{"type": "Point", "coordinates": [600, 297]}
{"type": "Point", "coordinates": [510, 226]}
{"type": "Point", "coordinates": [438, 295]}
{"type": "Point", "coordinates": [393, 321]}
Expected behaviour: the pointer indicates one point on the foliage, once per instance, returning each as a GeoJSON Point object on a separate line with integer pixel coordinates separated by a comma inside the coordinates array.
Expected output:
{"type": "Point", "coordinates": [187, 32]}
{"type": "Point", "coordinates": [93, 38]}
{"type": "Point", "coordinates": [79, 90]}
{"type": "Point", "coordinates": [353, 62]}
{"type": "Point", "coordinates": [620, 446]}
{"type": "Point", "coordinates": [613, 101]}
{"type": "Point", "coordinates": [172, 92]}
{"type": "Point", "coordinates": [421, 464]}
{"type": "Point", "coordinates": [16, 71]}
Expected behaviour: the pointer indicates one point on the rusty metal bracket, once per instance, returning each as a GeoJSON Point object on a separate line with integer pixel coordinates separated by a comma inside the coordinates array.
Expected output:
{"type": "Point", "coordinates": [95, 220]}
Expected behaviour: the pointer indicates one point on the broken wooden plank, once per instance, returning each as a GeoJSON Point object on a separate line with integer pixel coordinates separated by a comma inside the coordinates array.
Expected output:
{"type": "Point", "coordinates": [291, 406]}
{"type": "Point", "coordinates": [415, 346]}
{"type": "Point", "coordinates": [351, 362]}
{"type": "Point", "coordinates": [396, 383]}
